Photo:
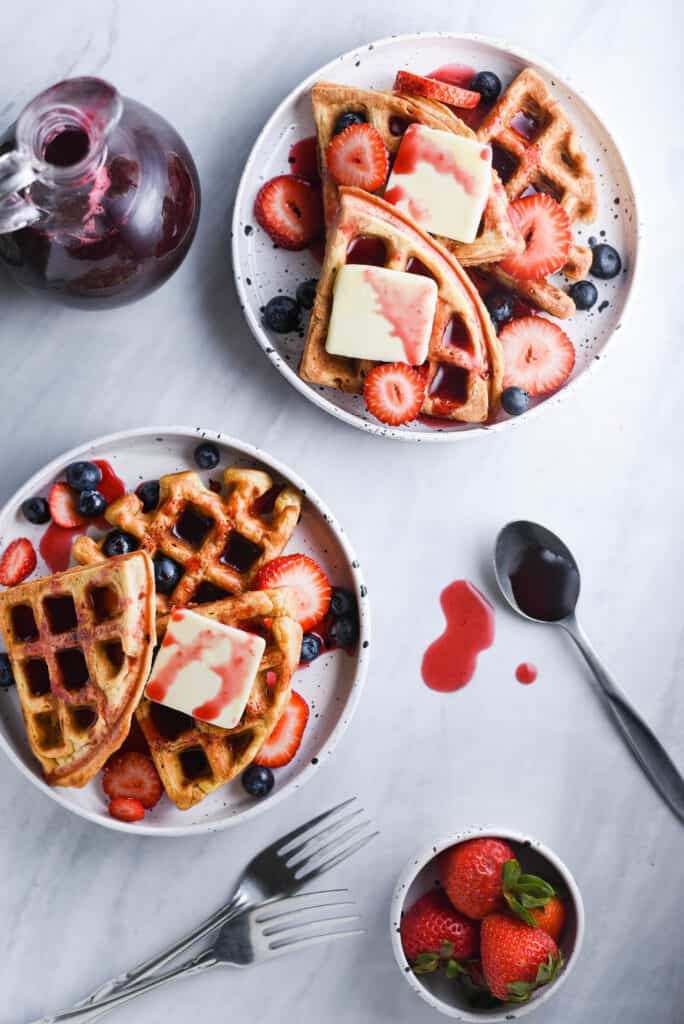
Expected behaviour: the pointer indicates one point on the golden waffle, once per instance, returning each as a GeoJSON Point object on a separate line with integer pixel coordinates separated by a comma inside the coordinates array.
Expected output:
{"type": "Point", "coordinates": [194, 758]}
{"type": "Point", "coordinates": [463, 378]}
{"type": "Point", "coordinates": [81, 644]}
{"type": "Point", "coordinates": [496, 236]}
{"type": "Point", "coordinates": [547, 157]}
{"type": "Point", "coordinates": [219, 540]}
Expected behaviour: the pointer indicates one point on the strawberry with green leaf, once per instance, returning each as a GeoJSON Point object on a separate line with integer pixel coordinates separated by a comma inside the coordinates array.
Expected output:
{"type": "Point", "coordinates": [517, 959]}
{"type": "Point", "coordinates": [523, 893]}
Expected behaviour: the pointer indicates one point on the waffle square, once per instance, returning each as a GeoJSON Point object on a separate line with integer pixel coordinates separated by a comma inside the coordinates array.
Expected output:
{"type": "Point", "coordinates": [81, 644]}
{"type": "Point", "coordinates": [194, 758]}
{"type": "Point", "coordinates": [390, 113]}
{"type": "Point", "coordinates": [464, 368]}
{"type": "Point", "coordinates": [219, 540]}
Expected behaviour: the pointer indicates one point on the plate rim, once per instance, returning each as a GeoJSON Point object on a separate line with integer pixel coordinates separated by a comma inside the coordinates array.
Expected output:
{"type": "Point", "coordinates": [291, 375]}
{"type": "Point", "coordinates": [364, 646]}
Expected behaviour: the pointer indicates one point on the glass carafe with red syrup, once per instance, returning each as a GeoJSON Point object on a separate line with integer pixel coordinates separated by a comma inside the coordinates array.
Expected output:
{"type": "Point", "coordinates": [99, 196]}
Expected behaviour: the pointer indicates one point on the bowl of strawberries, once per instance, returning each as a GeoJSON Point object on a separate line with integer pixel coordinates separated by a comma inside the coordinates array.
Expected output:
{"type": "Point", "coordinates": [486, 924]}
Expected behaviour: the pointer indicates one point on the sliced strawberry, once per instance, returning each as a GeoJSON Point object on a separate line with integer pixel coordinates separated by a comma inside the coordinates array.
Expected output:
{"type": "Point", "coordinates": [358, 156]}
{"type": "Point", "coordinates": [394, 392]}
{"type": "Point", "coordinates": [125, 808]}
{"type": "Point", "coordinates": [132, 775]}
{"type": "Point", "coordinates": [290, 210]}
{"type": "Point", "coordinates": [538, 355]}
{"type": "Point", "coordinates": [62, 501]}
{"type": "Point", "coordinates": [432, 89]}
{"type": "Point", "coordinates": [18, 561]}
{"type": "Point", "coordinates": [283, 743]}
{"type": "Point", "coordinates": [545, 226]}
{"type": "Point", "coordinates": [308, 581]}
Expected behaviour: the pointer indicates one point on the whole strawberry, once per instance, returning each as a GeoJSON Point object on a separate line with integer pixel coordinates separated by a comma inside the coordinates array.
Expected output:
{"type": "Point", "coordinates": [516, 959]}
{"type": "Point", "coordinates": [471, 875]}
{"type": "Point", "coordinates": [550, 918]}
{"type": "Point", "coordinates": [431, 922]}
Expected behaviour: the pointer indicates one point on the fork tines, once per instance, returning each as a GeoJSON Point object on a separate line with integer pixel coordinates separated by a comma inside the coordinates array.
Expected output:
{"type": "Point", "coordinates": [340, 842]}
{"type": "Point", "coordinates": [305, 919]}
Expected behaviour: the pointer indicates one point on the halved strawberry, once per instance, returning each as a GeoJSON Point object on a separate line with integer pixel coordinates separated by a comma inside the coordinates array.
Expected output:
{"type": "Point", "coordinates": [125, 808]}
{"type": "Point", "coordinates": [132, 775]}
{"type": "Point", "coordinates": [18, 561]}
{"type": "Point", "coordinates": [307, 579]}
{"type": "Point", "coordinates": [283, 743]}
{"type": "Point", "coordinates": [538, 355]}
{"type": "Point", "coordinates": [545, 226]}
{"type": "Point", "coordinates": [432, 89]}
{"type": "Point", "coordinates": [62, 501]}
{"type": "Point", "coordinates": [394, 392]}
{"type": "Point", "coordinates": [289, 209]}
{"type": "Point", "coordinates": [358, 156]}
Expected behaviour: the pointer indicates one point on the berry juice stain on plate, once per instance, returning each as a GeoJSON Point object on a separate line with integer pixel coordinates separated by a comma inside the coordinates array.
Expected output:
{"type": "Point", "coordinates": [55, 546]}
{"type": "Point", "coordinates": [450, 661]}
{"type": "Point", "coordinates": [526, 673]}
{"type": "Point", "coordinates": [303, 159]}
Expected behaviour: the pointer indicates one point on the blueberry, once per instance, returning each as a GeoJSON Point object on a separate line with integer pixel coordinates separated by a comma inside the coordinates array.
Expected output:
{"type": "Point", "coordinates": [6, 676]}
{"type": "Point", "coordinates": [515, 401]}
{"type": "Point", "coordinates": [207, 455]}
{"type": "Point", "coordinates": [258, 781]}
{"type": "Point", "coordinates": [148, 492]}
{"type": "Point", "coordinates": [36, 510]}
{"type": "Point", "coordinates": [347, 119]}
{"type": "Point", "coordinates": [166, 574]}
{"type": "Point", "coordinates": [487, 84]}
{"type": "Point", "coordinates": [83, 476]}
{"type": "Point", "coordinates": [500, 307]}
{"type": "Point", "coordinates": [584, 294]}
{"type": "Point", "coordinates": [606, 262]}
{"type": "Point", "coordinates": [281, 314]}
{"type": "Point", "coordinates": [306, 293]}
{"type": "Point", "coordinates": [342, 602]}
{"type": "Point", "coordinates": [311, 647]}
{"type": "Point", "coordinates": [345, 631]}
{"type": "Point", "coordinates": [91, 504]}
{"type": "Point", "coordinates": [118, 543]}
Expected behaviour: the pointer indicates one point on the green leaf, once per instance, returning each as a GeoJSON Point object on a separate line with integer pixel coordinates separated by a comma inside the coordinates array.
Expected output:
{"type": "Point", "coordinates": [519, 991]}
{"type": "Point", "coordinates": [519, 910]}
{"type": "Point", "coordinates": [425, 963]}
{"type": "Point", "coordinates": [446, 950]}
{"type": "Point", "coordinates": [453, 969]}
{"type": "Point", "coordinates": [510, 873]}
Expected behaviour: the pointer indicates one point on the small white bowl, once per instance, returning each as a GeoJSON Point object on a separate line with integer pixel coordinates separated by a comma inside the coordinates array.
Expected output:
{"type": "Point", "coordinates": [420, 875]}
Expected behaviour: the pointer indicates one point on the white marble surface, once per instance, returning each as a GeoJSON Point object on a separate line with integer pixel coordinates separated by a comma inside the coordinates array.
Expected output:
{"type": "Point", "coordinates": [78, 903]}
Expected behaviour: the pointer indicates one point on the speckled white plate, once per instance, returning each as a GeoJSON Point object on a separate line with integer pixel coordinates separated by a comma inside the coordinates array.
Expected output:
{"type": "Point", "coordinates": [331, 685]}
{"type": "Point", "coordinates": [261, 271]}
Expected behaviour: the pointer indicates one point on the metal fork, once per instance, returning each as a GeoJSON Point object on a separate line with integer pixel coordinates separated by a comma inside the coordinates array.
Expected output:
{"type": "Point", "coordinates": [254, 936]}
{"type": "Point", "coordinates": [281, 869]}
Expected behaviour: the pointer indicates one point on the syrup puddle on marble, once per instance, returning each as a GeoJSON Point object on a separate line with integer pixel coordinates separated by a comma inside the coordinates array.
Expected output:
{"type": "Point", "coordinates": [450, 661]}
{"type": "Point", "coordinates": [526, 673]}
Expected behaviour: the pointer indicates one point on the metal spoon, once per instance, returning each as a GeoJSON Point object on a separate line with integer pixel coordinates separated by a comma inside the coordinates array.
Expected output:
{"type": "Point", "coordinates": [540, 579]}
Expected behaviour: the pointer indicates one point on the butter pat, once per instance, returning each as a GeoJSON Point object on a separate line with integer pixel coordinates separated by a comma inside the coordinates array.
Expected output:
{"type": "Point", "coordinates": [380, 314]}
{"type": "Point", "coordinates": [205, 669]}
{"type": "Point", "coordinates": [442, 181]}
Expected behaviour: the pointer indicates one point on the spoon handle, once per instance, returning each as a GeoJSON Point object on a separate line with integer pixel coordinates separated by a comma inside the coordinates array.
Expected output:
{"type": "Point", "coordinates": [643, 743]}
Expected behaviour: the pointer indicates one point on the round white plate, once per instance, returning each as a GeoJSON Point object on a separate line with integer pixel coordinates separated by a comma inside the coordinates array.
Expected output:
{"type": "Point", "coordinates": [331, 684]}
{"type": "Point", "coordinates": [262, 271]}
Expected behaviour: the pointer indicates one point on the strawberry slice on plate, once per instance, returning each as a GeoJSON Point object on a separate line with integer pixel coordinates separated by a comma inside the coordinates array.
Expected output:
{"type": "Point", "coordinates": [125, 808]}
{"type": "Point", "coordinates": [283, 743]}
{"type": "Point", "coordinates": [433, 89]}
{"type": "Point", "coordinates": [545, 226]}
{"type": "Point", "coordinates": [308, 581]}
{"type": "Point", "coordinates": [538, 355]}
{"type": "Point", "coordinates": [359, 157]}
{"type": "Point", "coordinates": [394, 392]}
{"type": "Point", "coordinates": [290, 211]}
{"type": "Point", "coordinates": [132, 776]}
{"type": "Point", "coordinates": [18, 561]}
{"type": "Point", "coordinates": [62, 503]}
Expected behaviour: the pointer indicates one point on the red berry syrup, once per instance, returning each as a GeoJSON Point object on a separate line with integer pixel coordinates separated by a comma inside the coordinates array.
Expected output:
{"type": "Point", "coordinates": [450, 661]}
{"type": "Point", "coordinates": [545, 585]}
{"type": "Point", "coordinates": [526, 673]}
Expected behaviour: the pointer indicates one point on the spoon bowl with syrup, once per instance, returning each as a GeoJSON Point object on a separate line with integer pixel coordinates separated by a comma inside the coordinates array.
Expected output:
{"type": "Point", "coordinates": [540, 579]}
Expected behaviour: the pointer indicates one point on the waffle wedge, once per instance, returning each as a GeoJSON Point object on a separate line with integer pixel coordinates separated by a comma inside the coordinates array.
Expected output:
{"type": "Point", "coordinates": [194, 758]}
{"type": "Point", "coordinates": [219, 541]}
{"type": "Point", "coordinates": [541, 149]}
{"type": "Point", "coordinates": [390, 113]}
{"type": "Point", "coordinates": [463, 379]}
{"type": "Point", "coordinates": [81, 644]}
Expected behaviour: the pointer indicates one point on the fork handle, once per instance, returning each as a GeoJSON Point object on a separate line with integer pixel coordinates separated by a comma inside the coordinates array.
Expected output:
{"type": "Point", "coordinates": [143, 970]}
{"type": "Point", "coordinates": [87, 1014]}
